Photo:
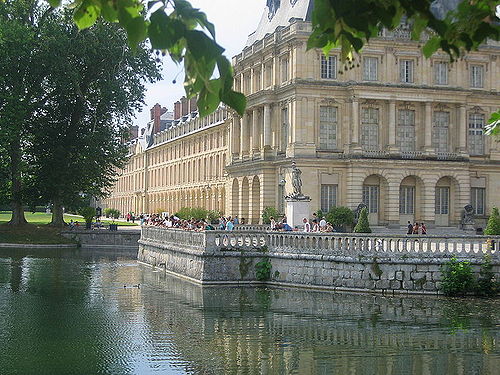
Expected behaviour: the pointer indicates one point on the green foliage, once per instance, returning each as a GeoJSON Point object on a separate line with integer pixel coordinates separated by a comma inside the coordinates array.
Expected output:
{"type": "Point", "coordinates": [107, 211]}
{"type": "Point", "coordinates": [114, 213]}
{"type": "Point", "coordinates": [88, 213]}
{"type": "Point", "coordinates": [363, 226]}
{"type": "Point", "coordinates": [263, 270]}
{"type": "Point", "coordinates": [458, 279]}
{"type": "Point", "coordinates": [180, 30]}
{"type": "Point", "coordinates": [187, 213]}
{"type": "Point", "coordinates": [340, 216]}
{"type": "Point", "coordinates": [350, 24]}
{"type": "Point", "coordinates": [268, 213]}
{"type": "Point", "coordinates": [493, 126]}
{"type": "Point", "coordinates": [487, 285]}
{"type": "Point", "coordinates": [493, 226]}
{"type": "Point", "coordinates": [213, 216]}
{"type": "Point", "coordinates": [320, 214]}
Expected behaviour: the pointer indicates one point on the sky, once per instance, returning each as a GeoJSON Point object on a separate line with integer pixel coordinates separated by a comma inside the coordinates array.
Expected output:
{"type": "Point", "coordinates": [233, 20]}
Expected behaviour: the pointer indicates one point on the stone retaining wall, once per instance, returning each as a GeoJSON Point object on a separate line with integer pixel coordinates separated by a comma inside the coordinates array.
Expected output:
{"type": "Point", "coordinates": [395, 264]}
{"type": "Point", "coordinates": [123, 238]}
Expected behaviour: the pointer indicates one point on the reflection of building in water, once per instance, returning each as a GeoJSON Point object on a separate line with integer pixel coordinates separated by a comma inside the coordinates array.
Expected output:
{"type": "Point", "coordinates": [403, 134]}
{"type": "Point", "coordinates": [258, 331]}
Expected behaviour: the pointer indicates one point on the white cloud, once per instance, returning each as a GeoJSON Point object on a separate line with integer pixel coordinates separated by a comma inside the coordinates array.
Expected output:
{"type": "Point", "coordinates": [233, 20]}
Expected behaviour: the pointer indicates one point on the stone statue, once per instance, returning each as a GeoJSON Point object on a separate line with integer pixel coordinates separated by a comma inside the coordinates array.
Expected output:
{"type": "Point", "coordinates": [468, 215]}
{"type": "Point", "coordinates": [296, 180]}
{"type": "Point", "coordinates": [297, 185]}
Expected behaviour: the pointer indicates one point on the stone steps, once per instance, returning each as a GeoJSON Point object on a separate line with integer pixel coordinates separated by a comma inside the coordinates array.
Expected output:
{"type": "Point", "coordinates": [445, 231]}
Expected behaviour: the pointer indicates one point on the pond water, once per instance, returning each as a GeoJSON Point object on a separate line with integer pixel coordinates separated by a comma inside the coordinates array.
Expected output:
{"type": "Point", "coordinates": [78, 312]}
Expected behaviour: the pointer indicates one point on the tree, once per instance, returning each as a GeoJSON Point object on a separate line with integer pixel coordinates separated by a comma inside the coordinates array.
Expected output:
{"type": "Point", "coordinates": [21, 92]}
{"type": "Point", "coordinates": [363, 226]}
{"type": "Point", "coordinates": [268, 213]}
{"type": "Point", "coordinates": [493, 226]}
{"type": "Point", "coordinates": [97, 84]}
{"type": "Point", "coordinates": [65, 138]}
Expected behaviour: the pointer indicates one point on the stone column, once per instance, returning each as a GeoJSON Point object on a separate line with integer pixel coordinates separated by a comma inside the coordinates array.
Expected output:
{"type": "Point", "coordinates": [462, 129]}
{"type": "Point", "coordinates": [255, 131]}
{"type": "Point", "coordinates": [267, 126]}
{"type": "Point", "coordinates": [355, 143]}
{"type": "Point", "coordinates": [428, 129]}
{"type": "Point", "coordinates": [392, 127]}
{"type": "Point", "coordinates": [245, 136]}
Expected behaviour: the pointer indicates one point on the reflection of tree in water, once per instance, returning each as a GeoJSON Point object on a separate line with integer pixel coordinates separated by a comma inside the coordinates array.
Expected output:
{"type": "Point", "coordinates": [51, 322]}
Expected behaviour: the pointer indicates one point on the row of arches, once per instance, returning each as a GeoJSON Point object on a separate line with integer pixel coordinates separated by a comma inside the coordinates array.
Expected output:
{"type": "Point", "coordinates": [413, 198]}
{"type": "Point", "coordinates": [246, 199]}
{"type": "Point", "coordinates": [171, 202]}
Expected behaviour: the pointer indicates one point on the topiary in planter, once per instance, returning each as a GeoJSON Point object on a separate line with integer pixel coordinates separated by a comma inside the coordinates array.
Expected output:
{"type": "Point", "coordinates": [340, 217]}
{"type": "Point", "coordinates": [493, 226]}
{"type": "Point", "coordinates": [363, 226]}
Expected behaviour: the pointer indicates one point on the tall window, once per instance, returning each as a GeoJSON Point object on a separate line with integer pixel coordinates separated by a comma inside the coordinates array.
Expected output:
{"type": "Point", "coordinates": [407, 200]}
{"type": "Point", "coordinates": [370, 67]}
{"type": "Point", "coordinates": [441, 73]}
{"type": "Point", "coordinates": [406, 72]}
{"type": "Point", "coordinates": [327, 128]}
{"type": "Point", "coordinates": [328, 197]}
{"type": "Point", "coordinates": [284, 129]}
{"type": "Point", "coordinates": [442, 200]}
{"type": "Point", "coordinates": [269, 74]}
{"type": "Point", "coordinates": [370, 198]}
{"type": "Point", "coordinates": [476, 76]}
{"type": "Point", "coordinates": [257, 80]}
{"type": "Point", "coordinates": [478, 199]}
{"type": "Point", "coordinates": [284, 69]}
{"type": "Point", "coordinates": [440, 131]}
{"type": "Point", "coordinates": [369, 129]}
{"type": "Point", "coordinates": [476, 134]}
{"type": "Point", "coordinates": [328, 67]}
{"type": "Point", "coordinates": [406, 130]}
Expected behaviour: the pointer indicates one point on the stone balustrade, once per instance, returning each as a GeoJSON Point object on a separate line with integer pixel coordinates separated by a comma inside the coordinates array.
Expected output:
{"type": "Point", "coordinates": [376, 262]}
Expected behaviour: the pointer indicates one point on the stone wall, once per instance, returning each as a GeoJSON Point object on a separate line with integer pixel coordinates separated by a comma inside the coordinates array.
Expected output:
{"type": "Point", "coordinates": [123, 238]}
{"type": "Point", "coordinates": [394, 264]}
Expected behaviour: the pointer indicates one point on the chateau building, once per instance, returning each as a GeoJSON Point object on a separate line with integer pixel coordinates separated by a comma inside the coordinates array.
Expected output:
{"type": "Point", "coordinates": [400, 133]}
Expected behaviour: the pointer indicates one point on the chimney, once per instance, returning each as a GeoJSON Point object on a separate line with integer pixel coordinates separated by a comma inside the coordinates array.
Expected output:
{"type": "Point", "coordinates": [134, 132]}
{"type": "Point", "coordinates": [177, 110]}
{"type": "Point", "coordinates": [184, 106]}
{"type": "Point", "coordinates": [156, 112]}
{"type": "Point", "coordinates": [193, 105]}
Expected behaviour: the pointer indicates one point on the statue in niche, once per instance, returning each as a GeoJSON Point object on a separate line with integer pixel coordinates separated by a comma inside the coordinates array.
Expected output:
{"type": "Point", "coordinates": [468, 215]}
{"type": "Point", "coordinates": [273, 6]}
{"type": "Point", "coordinates": [297, 185]}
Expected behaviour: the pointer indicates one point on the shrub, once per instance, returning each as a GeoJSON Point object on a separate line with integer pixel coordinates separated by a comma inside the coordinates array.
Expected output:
{"type": "Point", "coordinates": [268, 213]}
{"type": "Point", "coordinates": [88, 213]}
{"type": "Point", "coordinates": [457, 278]}
{"type": "Point", "coordinates": [340, 216]}
{"type": "Point", "coordinates": [487, 285]}
{"type": "Point", "coordinates": [107, 211]}
{"type": "Point", "coordinates": [114, 213]}
{"type": "Point", "coordinates": [493, 226]}
{"type": "Point", "coordinates": [363, 226]}
{"type": "Point", "coordinates": [263, 270]}
{"type": "Point", "coordinates": [213, 216]}
{"type": "Point", "coordinates": [187, 213]}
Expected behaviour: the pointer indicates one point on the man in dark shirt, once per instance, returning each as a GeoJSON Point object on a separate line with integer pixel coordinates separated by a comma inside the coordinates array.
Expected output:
{"type": "Point", "coordinates": [410, 228]}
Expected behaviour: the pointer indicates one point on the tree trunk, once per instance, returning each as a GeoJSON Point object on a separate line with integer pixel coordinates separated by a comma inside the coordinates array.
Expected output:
{"type": "Point", "coordinates": [16, 188]}
{"type": "Point", "coordinates": [57, 215]}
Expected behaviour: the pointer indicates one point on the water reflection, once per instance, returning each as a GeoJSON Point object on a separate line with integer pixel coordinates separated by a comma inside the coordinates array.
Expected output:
{"type": "Point", "coordinates": [77, 312]}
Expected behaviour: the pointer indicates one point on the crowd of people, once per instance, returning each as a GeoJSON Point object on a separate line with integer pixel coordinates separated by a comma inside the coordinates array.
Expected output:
{"type": "Point", "coordinates": [416, 228]}
{"type": "Point", "coordinates": [172, 221]}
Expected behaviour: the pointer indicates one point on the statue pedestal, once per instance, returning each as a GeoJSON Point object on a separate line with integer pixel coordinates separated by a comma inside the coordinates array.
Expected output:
{"type": "Point", "coordinates": [468, 227]}
{"type": "Point", "coordinates": [296, 211]}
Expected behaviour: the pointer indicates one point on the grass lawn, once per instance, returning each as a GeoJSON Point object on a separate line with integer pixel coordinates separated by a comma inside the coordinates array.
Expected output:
{"type": "Point", "coordinates": [37, 231]}
{"type": "Point", "coordinates": [41, 218]}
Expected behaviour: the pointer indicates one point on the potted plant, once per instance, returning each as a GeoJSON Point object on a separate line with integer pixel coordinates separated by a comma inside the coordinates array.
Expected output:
{"type": "Point", "coordinates": [115, 214]}
{"type": "Point", "coordinates": [341, 218]}
{"type": "Point", "coordinates": [88, 214]}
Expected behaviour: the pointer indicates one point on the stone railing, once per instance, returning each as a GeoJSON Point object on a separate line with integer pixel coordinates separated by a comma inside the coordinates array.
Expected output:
{"type": "Point", "coordinates": [334, 244]}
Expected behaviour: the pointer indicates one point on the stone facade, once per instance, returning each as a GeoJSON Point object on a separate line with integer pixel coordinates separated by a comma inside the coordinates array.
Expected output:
{"type": "Point", "coordinates": [401, 133]}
